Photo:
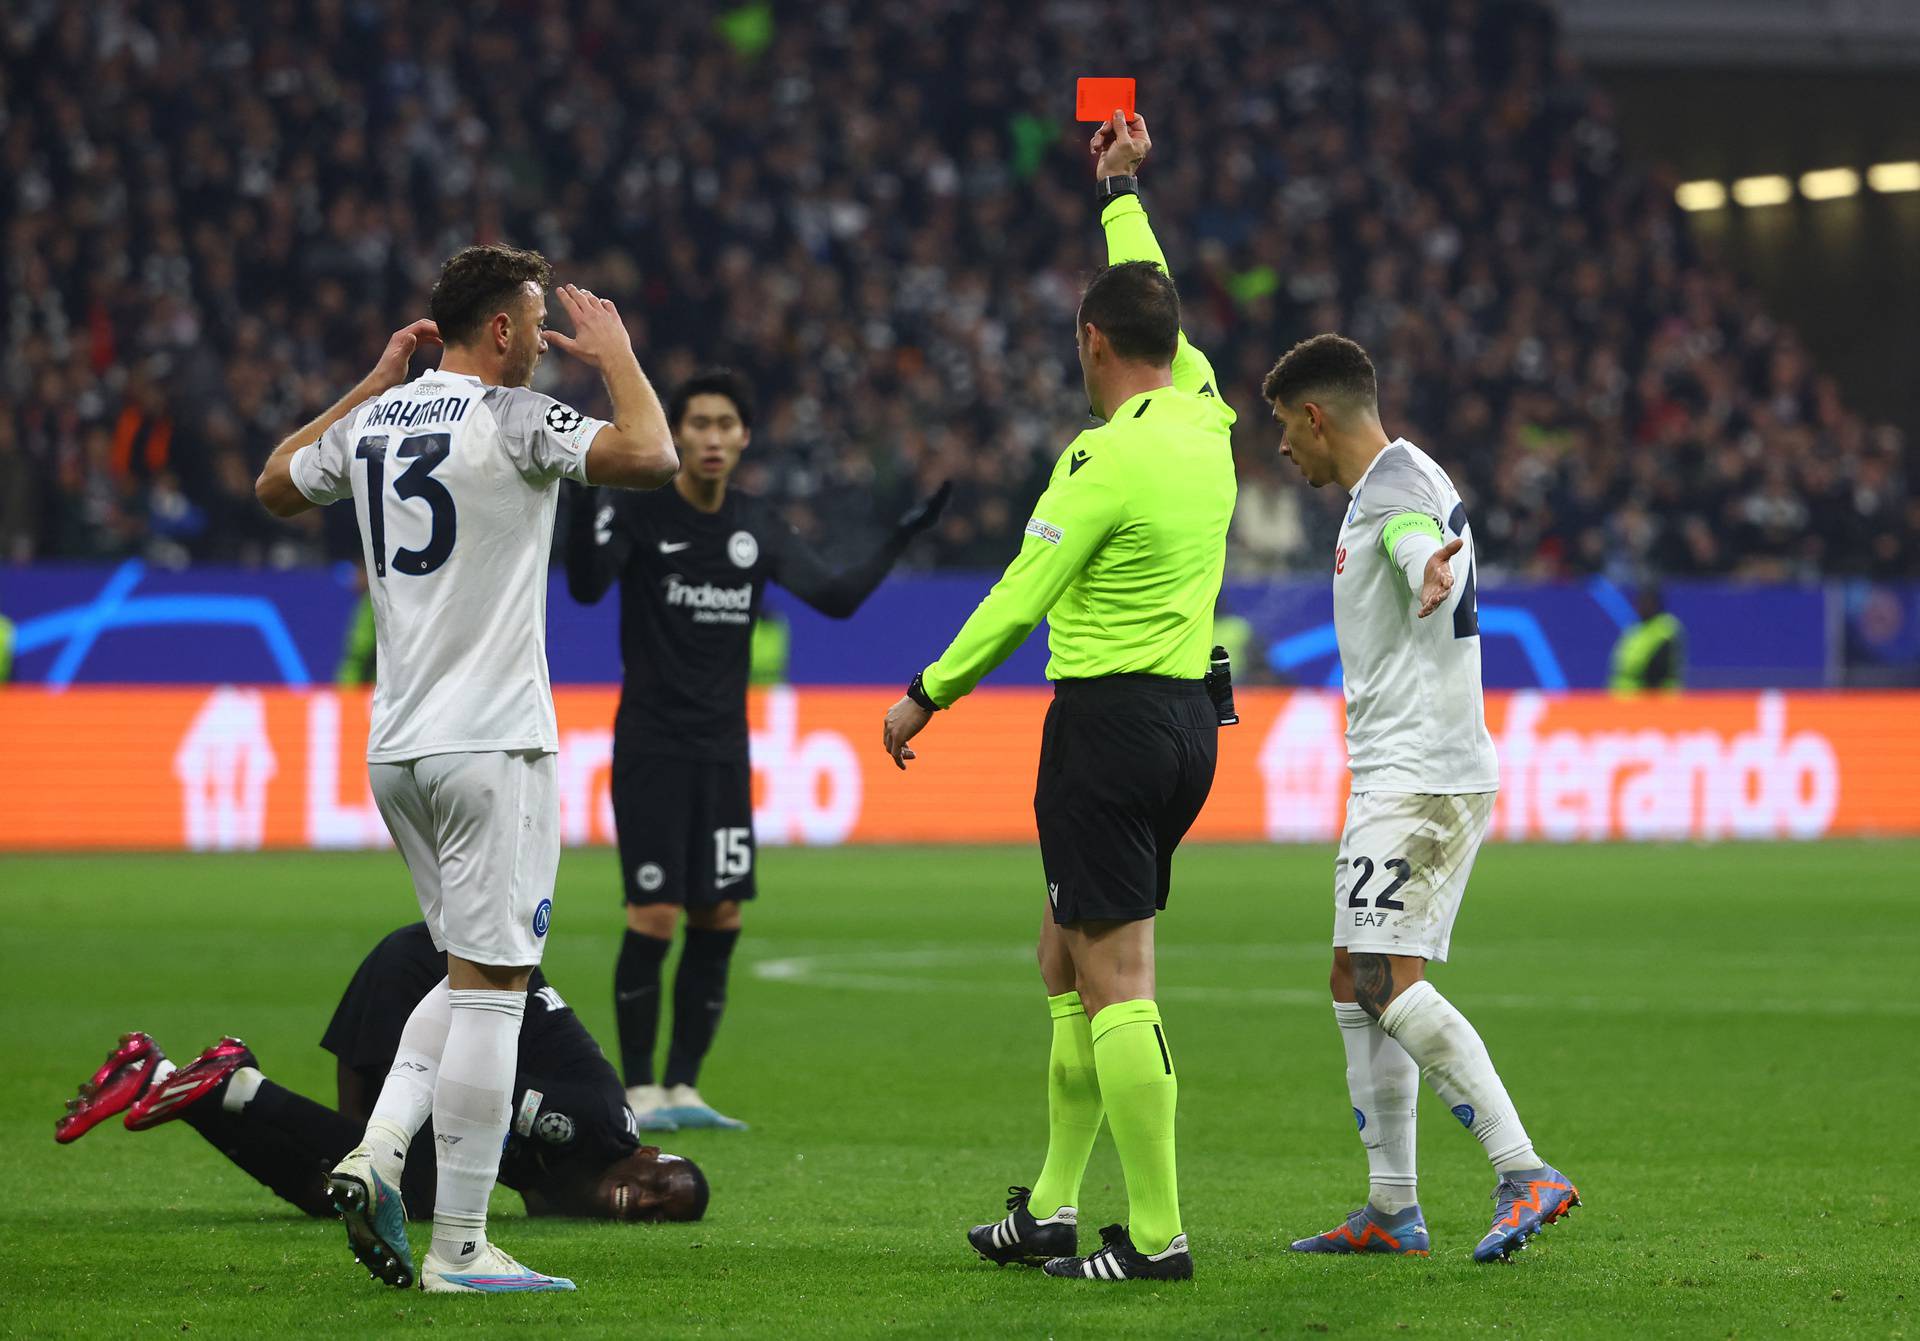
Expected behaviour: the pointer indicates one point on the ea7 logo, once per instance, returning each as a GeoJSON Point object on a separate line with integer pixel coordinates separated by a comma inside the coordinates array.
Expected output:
{"type": "Point", "coordinates": [1340, 561]}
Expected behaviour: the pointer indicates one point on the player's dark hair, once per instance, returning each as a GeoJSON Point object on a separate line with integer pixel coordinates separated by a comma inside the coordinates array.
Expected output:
{"type": "Point", "coordinates": [1326, 366]}
{"type": "Point", "coordinates": [1135, 305]}
{"type": "Point", "coordinates": [698, 1194]}
{"type": "Point", "coordinates": [712, 382]}
{"type": "Point", "coordinates": [477, 282]}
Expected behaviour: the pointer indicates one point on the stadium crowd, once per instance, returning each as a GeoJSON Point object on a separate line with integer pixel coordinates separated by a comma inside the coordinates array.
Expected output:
{"type": "Point", "coordinates": [215, 212]}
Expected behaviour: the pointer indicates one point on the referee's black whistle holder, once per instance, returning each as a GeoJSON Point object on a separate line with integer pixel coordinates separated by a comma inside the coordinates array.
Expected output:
{"type": "Point", "coordinates": [1220, 686]}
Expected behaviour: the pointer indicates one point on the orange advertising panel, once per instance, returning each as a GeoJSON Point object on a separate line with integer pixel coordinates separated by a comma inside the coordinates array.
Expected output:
{"type": "Point", "coordinates": [245, 768]}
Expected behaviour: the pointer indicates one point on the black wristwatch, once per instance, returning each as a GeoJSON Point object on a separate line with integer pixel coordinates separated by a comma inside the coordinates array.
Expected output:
{"type": "Point", "coordinates": [1111, 188]}
{"type": "Point", "coordinates": [917, 691]}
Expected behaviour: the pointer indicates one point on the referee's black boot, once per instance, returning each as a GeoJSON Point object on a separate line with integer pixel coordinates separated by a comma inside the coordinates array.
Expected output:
{"type": "Point", "coordinates": [1023, 1239]}
{"type": "Point", "coordinates": [1117, 1259]}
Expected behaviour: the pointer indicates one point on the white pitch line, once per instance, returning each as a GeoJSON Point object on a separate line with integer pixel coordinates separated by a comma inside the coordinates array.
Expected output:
{"type": "Point", "coordinates": [893, 971]}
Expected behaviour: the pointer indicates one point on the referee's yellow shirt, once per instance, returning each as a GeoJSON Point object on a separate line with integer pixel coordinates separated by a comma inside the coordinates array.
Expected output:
{"type": "Point", "coordinates": [1125, 550]}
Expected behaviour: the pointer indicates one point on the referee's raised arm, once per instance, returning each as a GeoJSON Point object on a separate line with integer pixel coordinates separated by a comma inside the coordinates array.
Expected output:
{"type": "Point", "coordinates": [1123, 556]}
{"type": "Point", "coordinates": [1118, 148]}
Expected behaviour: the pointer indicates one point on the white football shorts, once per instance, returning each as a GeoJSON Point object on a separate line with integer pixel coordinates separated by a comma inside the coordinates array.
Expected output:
{"type": "Point", "coordinates": [1403, 867]}
{"type": "Point", "coordinates": [481, 837]}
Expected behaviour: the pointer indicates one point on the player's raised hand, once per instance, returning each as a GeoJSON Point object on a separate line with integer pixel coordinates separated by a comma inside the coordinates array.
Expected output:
{"type": "Point", "coordinates": [598, 332]}
{"type": "Point", "coordinates": [1120, 146]}
{"type": "Point", "coordinates": [905, 720]}
{"type": "Point", "coordinates": [1438, 580]}
{"type": "Point", "coordinates": [391, 370]}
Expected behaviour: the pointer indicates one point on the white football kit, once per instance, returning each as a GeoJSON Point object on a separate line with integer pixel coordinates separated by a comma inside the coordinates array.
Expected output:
{"type": "Point", "coordinates": [455, 483]}
{"type": "Point", "coordinates": [1424, 771]}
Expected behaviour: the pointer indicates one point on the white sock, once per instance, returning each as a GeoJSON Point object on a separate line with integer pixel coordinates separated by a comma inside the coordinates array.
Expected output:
{"type": "Point", "coordinates": [1454, 1061]}
{"type": "Point", "coordinates": [242, 1085]}
{"type": "Point", "coordinates": [406, 1097]}
{"type": "Point", "coordinates": [1384, 1085]}
{"type": "Point", "coordinates": [471, 1103]}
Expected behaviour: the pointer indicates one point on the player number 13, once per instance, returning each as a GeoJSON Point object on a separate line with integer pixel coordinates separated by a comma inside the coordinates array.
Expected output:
{"type": "Point", "coordinates": [425, 451]}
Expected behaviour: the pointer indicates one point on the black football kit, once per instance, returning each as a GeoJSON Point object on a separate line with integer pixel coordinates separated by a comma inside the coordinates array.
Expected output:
{"type": "Point", "coordinates": [570, 1118]}
{"type": "Point", "coordinates": [691, 584]}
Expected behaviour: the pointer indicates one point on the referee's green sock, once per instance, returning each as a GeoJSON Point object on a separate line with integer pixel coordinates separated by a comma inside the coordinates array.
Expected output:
{"type": "Point", "coordinates": [1138, 1085]}
{"type": "Point", "coordinates": [1073, 1108]}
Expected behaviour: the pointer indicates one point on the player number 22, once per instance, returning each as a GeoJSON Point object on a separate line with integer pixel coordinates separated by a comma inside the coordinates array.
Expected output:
{"type": "Point", "coordinates": [1402, 872]}
{"type": "Point", "coordinates": [426, 451]}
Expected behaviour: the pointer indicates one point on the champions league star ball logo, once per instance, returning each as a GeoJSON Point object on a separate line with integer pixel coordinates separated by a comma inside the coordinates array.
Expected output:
{"type": "Point", "coordinates": [564, 419]}
{"type": "Point", "coordinates": [743, 549]}
{"type": "Point", "coordinates": [554, 1128]}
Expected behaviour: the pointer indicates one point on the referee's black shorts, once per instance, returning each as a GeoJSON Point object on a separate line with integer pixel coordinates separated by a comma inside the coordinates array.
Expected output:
{"type": "Point", "coordinates": [1126, 762]}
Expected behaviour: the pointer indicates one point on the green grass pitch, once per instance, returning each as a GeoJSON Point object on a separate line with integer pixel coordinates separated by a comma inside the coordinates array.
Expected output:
{"type": "Point", "coordinates": [1717, 1043]}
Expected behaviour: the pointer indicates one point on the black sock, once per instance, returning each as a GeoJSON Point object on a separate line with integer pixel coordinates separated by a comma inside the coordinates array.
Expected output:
{"type": "Point", "coordinates": [636, 1003]}
{"type": "Point", "coordinates": [699, 998]}
{"type": "Point", "coordinates": [292, 1169]}
{"type": "Point", "coordinates": [307, 1123]}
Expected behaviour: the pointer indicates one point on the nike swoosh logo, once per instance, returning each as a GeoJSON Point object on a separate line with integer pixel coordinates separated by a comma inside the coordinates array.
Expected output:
{"type": "Point", "coordinates": [728, 882]}
{"type": "Point", "coordinates": [635, 996]}
{"type": "Point", "coordinates": [674, 547]}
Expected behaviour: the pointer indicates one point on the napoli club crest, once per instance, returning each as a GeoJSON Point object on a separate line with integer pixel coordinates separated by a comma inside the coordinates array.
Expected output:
{"type": "Point", "coordinates": [542, 916]}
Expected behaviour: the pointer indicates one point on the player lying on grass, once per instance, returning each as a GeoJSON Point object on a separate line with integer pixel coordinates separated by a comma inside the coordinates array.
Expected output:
{"type": "Point", "coordinates": [1424, 779]}
{"type": "Point", "coordinates": [572, 1150]}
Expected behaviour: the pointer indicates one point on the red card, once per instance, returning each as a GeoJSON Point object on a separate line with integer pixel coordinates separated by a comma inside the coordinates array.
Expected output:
{"type": "Point", "coordinates": [1096, 99]}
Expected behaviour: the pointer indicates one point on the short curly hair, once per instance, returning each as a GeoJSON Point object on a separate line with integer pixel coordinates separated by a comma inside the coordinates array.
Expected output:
{"type": "Point", "coordinates": [477, 282]}
{"type": "Point", "coordinates": [1324, 365]}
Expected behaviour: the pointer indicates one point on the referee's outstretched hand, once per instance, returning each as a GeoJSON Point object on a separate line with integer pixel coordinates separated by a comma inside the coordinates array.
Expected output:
{"type": "Point", "coordinates": [1438, 579]}
{"type": "Point", "coordinates": [905, 720]}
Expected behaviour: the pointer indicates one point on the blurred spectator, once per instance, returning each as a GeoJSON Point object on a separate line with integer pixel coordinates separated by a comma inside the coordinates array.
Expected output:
{"type": "Point", "coordinates": [215, 211]}
{"type": "Point", "coordinates": [1652, 652]}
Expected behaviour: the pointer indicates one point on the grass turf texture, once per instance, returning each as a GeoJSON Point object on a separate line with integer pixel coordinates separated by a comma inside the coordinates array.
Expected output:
{"type": "Point", "coordinates": [1717, 1043]}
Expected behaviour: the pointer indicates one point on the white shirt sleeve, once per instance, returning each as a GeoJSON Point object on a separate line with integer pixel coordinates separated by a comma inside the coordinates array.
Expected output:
{"type": "Point", "coordinates": [1411, 554]}
{"type": "Point", "coordinates": [1397, 488]}
{"type": "Point", "coordinates": [545, 439]}
{"type": "Point", "coordinates": [323, 471]}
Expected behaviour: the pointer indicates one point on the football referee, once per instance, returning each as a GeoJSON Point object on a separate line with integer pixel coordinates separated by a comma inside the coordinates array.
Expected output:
{"type": "Point", "coordinates": [1123, 556]}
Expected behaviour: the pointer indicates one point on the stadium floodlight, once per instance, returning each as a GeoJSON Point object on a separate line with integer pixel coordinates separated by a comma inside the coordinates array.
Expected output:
{"type": "Point", "coordinates": [1703, 195]}
{"type": "Point", "coordinates": [1829, 183]}
{"type": "Point", "coordinates": [1771, 189]}
{"type": "Point", "coordinates": [1891, 177]}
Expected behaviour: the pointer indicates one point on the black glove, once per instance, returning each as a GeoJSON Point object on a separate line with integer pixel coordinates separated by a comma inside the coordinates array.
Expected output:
{"type": "Point", "coordinates": [922, 515]}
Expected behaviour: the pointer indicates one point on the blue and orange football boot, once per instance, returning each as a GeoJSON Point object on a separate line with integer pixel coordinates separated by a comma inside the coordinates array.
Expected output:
{"type": "Point", "coordinates": [112, 1089]}
{"type": "Point", "coordinates": [1370, 1231]}
{"type": "Point", "coordinates": [172, 1094]}
{"type": "Point", "coordinates": [1524, 1204]}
